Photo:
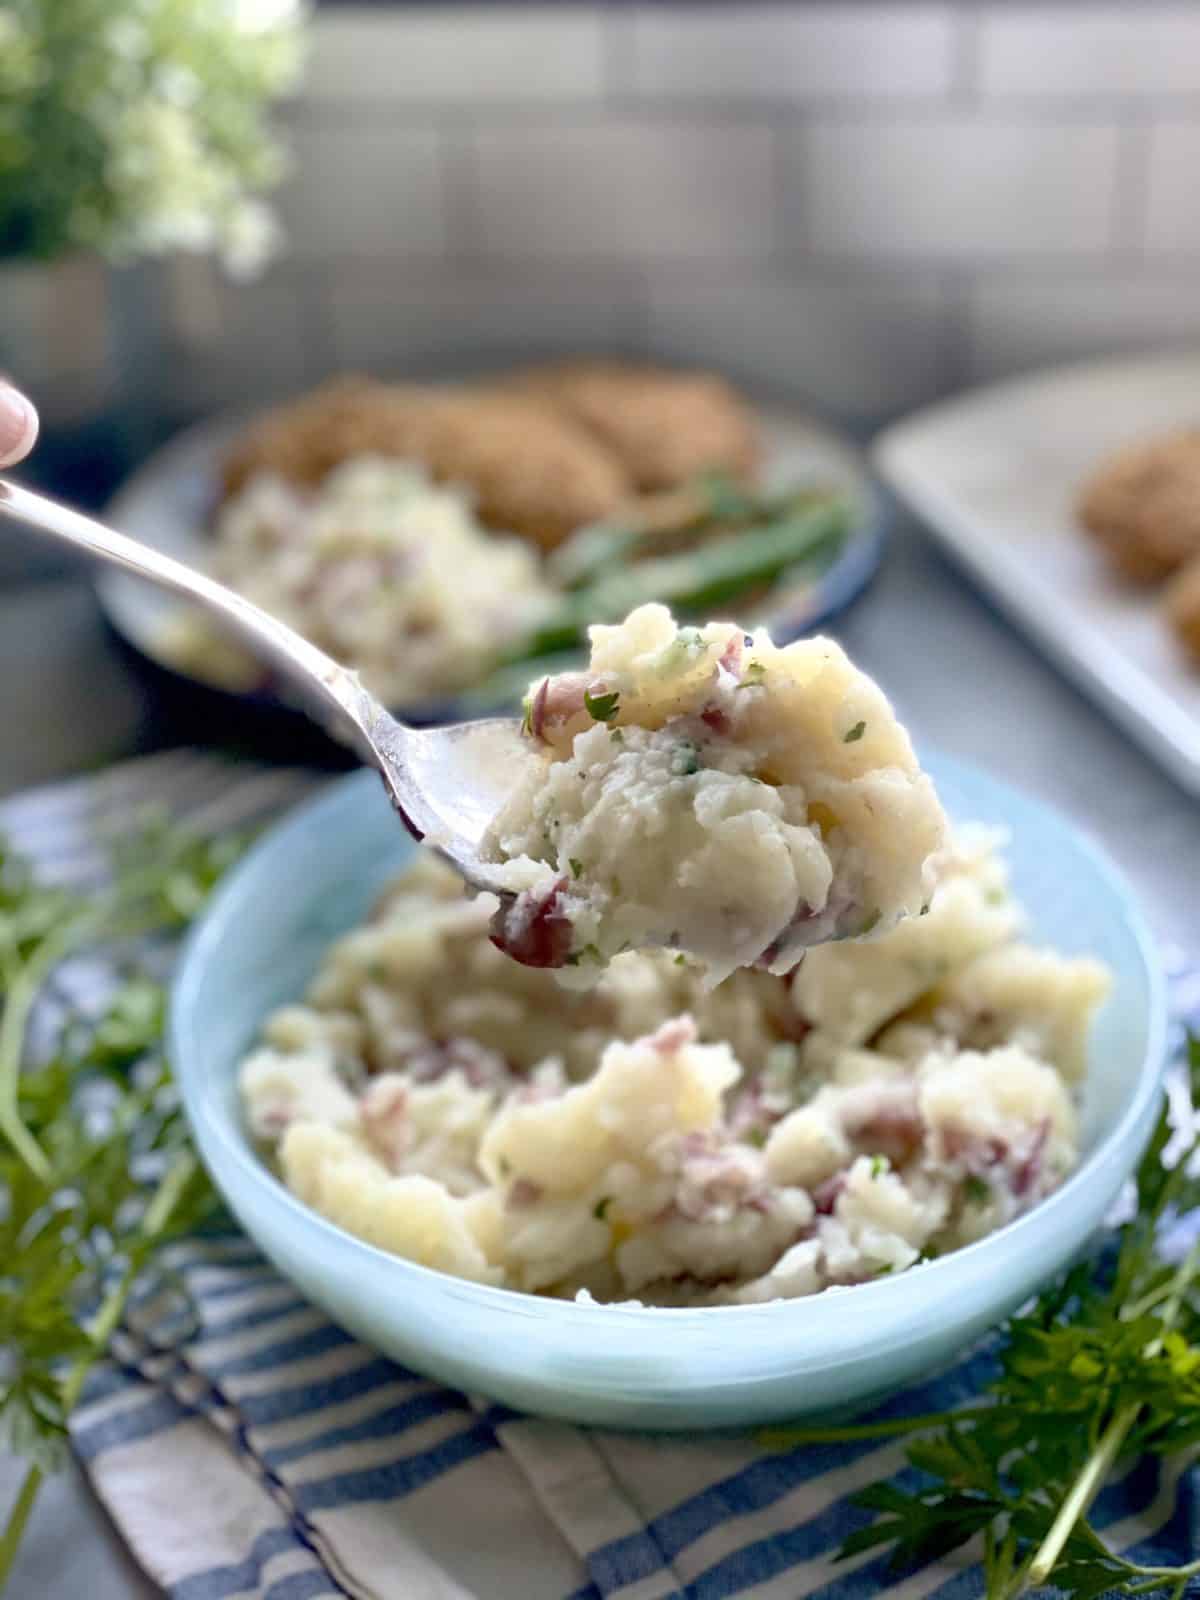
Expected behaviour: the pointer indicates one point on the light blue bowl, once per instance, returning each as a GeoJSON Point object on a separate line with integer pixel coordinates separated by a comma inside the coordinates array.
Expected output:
{"type": "Point", "coordinates": [317, 873]}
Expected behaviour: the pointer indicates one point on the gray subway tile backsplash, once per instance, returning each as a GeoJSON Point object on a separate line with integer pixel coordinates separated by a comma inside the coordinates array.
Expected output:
{"type": "Point", "coordinates": [858, 204]}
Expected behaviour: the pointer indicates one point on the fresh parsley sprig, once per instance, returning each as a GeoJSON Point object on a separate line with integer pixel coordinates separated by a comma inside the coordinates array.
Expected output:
{"type": "Point", "coordinates": [96, 1169]}
{"type": "Point", "coordinates": [1103, 1368]}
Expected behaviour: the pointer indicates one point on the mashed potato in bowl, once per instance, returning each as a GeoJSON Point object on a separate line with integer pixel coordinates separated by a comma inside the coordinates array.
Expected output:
{"type": "Point", "coordinates": [709, 791]}
{"type": "Point", "coordinates": [655, 1139]}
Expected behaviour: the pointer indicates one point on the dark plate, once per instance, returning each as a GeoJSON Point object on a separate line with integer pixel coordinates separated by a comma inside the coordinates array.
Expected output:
{"type": "Point", "coordinates": [169, 504]}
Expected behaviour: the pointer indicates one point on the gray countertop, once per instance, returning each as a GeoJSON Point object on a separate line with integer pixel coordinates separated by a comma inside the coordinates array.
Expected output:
{"type": "Point", "coordinates": [962, 679]}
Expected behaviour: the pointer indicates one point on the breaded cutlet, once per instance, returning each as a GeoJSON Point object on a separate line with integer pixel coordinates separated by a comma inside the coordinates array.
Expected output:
{"type": "Point", "coordinates": [1181, 602]}
{"type": "Point", "coordinates": [530, 468]}
{"type": "Point", "coordinates": [664, 426]}
{"type": "Point", "coordinates": [1143, 504]}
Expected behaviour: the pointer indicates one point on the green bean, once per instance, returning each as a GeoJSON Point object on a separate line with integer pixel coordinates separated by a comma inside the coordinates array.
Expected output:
{"type": "Point", "coordinates": [709, 505]}
{"type": "Point", "coordinates": [707, 576]}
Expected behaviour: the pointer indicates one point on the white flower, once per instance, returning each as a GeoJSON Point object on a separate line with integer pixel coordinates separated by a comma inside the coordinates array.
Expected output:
{"type": "Point", "coordinates": [172, 96]}
{"type": "Point", "coordinates": [263, 16]}
{"type": "Point", "coordinates": [251, 236]}
{"type": "Point", "coordinates": [126, 36]}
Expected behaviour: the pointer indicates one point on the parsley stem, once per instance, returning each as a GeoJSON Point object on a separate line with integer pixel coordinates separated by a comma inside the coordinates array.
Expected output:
{"type": "Point", "coordinates": [1083, 1492]}
{"type": "Point", "coordinates": [1160, 1577]}
{"type": "Point", "coordinates": [121, 912]}
{"type": "Point", "coordinates": [23, 990]}
{"type": "Point", "coordinates": [18, 1519]}
{"type": "Point", "coordinates": [785, 1438]}
{"type": "Point", "coordinates": [112, 1308]}
{"type": "Point", "coordinates": [1100, 1463]}
{"type": "Point", "coordinates": [100, 1330]}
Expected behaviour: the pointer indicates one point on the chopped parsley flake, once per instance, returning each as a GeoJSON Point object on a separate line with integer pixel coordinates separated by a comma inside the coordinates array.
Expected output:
{"type": "Point", "coordinates": [686, 644]}
{"type": "Point", "coordinates": [753, 675]}
{"type": "Point", "coordinates": [977, 1190]}
{"type": "Point", "coordinates": [617, 735]}
{"type": "Point", "coordinates": [685, 759]}
{"type": "Point", "coordinates": [681, 960]}
{"type": "Point", "coordinates": [601, 707]}
{"type": "Point", "coordinates": [576, 866]}
{"type": "Point", "coordinates": [600, 1209]}
{"type": "Point", "coordinates": [589, 952]}
{"type": "Point", "coordinates": [757, 1137]}
{"type": "Point", "coordinates": [879, 1165]}
{"type": "Point", "coordinates": [855, 734]}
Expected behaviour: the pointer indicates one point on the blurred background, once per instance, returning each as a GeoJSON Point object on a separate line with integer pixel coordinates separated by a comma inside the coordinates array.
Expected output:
{"type": "Point", "coordinates": [862, 206]}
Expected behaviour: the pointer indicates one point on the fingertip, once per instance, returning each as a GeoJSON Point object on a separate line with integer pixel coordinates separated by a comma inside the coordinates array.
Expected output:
{"type": "Point", "coordinates": [18, 426]}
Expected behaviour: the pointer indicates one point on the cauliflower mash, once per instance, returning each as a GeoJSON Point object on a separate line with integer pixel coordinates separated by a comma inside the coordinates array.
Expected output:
{"type": "Point", "coordinates": [654, 1138]}
{"type": "Point", "coordinates": [388, 573]}
{"type": "Point", "coordinates": [708, 791]}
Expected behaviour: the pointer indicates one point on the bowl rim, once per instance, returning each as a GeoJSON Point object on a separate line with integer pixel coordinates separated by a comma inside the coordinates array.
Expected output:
{"type": "Point", "coordinates": [1125, 1139]}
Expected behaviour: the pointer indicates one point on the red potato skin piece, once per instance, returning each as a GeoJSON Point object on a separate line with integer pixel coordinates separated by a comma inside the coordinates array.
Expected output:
{"type": "Point", "coordinates": [673, 1035]}
{"type": "Point", "coordinates": [894, 1132]}
{"type": "Point", "coordinates": [533, 930]}
{"type": "Point", "coordinates": [1030, 1168]}
{"type": "Point", "coordinates": [825, 1195]}
{"type": "Point", "coordinates": [715, 718]}
{"type": "Point", "coordinates": [537, 709]}
{"type": "Point", "coordinates": [731, 656]}
{"type": "Point", "coordinates": [557, 702]}
{"type": "Point", "coordinates": [522, 1193]}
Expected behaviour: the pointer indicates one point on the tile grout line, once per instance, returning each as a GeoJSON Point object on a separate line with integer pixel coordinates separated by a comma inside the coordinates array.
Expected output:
{"type": "Point", "coordinates": [965, 90]}
{"type": "Point", "coordinates": [1131, 192]}
{"type": "Point", "coordinates": [458, 179]}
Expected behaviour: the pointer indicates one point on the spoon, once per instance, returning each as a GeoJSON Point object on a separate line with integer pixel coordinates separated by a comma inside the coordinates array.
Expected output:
{"type": "Point", "coordinates": [446, 783]}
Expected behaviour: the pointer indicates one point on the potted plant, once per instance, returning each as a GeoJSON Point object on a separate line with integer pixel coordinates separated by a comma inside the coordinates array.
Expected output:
{"type": "Point", "coordinates": [129, 129]}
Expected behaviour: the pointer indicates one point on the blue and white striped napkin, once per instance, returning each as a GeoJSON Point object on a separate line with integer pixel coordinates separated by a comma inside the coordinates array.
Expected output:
{"type": "Point", "coordinates": [260, 1453]}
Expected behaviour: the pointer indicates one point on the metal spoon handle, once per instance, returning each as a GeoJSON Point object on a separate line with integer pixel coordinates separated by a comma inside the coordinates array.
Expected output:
{"type": "Point", "coordinates": [334, 694]}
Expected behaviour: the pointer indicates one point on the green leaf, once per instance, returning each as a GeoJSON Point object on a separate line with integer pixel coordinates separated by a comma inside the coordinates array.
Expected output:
{"type": "Point", "coordinates": [95, 1167]}
{"type": "Point", "coordinates": [601, 707]}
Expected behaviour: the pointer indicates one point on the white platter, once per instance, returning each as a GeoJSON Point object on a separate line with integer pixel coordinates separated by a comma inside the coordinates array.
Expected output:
{"type": "Point", "coordinates": [994, 474]}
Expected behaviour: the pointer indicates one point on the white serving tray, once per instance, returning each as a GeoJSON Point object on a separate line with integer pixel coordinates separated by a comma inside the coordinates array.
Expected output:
{"type": "Point", "coordinates": [994, 474]}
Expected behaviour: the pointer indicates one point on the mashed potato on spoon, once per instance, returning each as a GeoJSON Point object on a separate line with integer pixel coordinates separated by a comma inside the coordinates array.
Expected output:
{"type": "Point", "coordinates": [708, 791]}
